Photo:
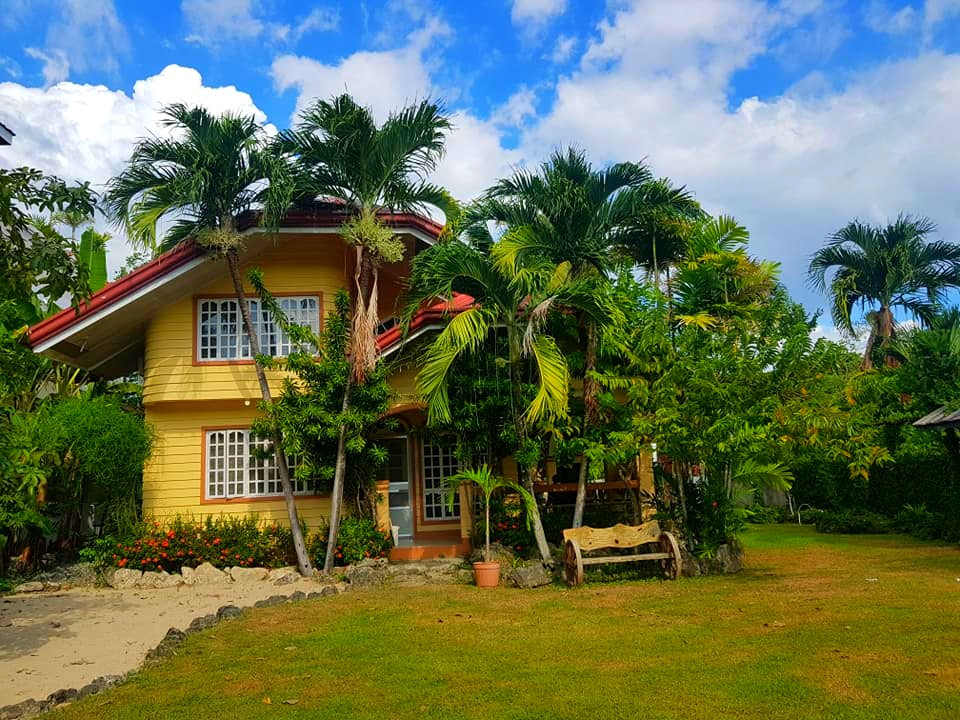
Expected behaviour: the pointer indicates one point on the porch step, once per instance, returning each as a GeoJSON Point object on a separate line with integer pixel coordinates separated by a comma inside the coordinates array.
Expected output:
{"type": "Point", "coordinates": [429, 551]}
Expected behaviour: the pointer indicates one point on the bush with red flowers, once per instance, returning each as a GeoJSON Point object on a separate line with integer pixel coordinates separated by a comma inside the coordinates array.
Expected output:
{"type": "Point", "coordinates": [359, 539]}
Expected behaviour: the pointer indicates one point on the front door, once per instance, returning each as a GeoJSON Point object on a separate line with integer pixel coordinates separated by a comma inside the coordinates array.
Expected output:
{"type": "Point", "coordinates": [398, 473]}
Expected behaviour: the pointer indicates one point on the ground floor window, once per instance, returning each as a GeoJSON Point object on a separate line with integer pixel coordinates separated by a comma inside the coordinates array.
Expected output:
{"type": "Point", "coordinates": [438, 463]}
{"type": "Point", "coordinates": [233, 471]}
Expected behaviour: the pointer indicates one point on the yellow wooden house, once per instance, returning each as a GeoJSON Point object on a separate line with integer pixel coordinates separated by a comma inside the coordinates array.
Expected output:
{"type": "Point", "coordinates": [176, 321]}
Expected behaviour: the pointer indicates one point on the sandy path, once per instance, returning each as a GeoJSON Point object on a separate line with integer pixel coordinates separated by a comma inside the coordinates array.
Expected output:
{"type": "Point", "coordinates": [51, 641]}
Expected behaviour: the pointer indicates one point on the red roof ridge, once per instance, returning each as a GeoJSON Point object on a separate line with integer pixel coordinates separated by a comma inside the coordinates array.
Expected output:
{"type": "Point", "coordinates": [457, 303]}
{"type": "Point", "coordinates": [161, 265]}
{"type": "Point", "coordinates": [115, 291]}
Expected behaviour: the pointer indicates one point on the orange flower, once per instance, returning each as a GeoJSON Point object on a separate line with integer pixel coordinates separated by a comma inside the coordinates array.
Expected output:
{"type": "Point", "coordinates": [216, 541]}
{"type": "Point", "coordinates": [122, 563]}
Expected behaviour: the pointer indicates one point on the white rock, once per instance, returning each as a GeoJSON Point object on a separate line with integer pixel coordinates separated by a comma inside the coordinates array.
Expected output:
{"type": "Point", "coordinates": [124, 578]}
{"type": "Point", "coordinates": [207, 574]}
{"type": "Point", "coordinates": [242, 574]}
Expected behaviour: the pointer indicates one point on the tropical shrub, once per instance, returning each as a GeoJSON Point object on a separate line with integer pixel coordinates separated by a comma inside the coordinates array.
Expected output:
{"type": "Point", "coordinates": [100, 449]}
{"type": "Point", "coordinates": [222, 542]}
{"type": "Point", "coordinates": [853, 522]}
{"type": "Point", "coordinates": [358, 538]}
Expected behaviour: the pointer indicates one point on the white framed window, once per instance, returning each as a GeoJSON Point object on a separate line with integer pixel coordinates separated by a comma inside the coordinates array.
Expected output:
{"type": "Point", "coordinates": [438, 463]}
{"type": "Point", "coordinates": [233, 471]}
{"type": "Point", "coordinates": [220, 332]}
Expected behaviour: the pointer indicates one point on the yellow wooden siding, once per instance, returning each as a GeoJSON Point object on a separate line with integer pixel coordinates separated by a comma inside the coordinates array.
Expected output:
{"type": "Point", "coordinates": [173, 477]}
{"type": "Point", "coordinates": [309, 265]}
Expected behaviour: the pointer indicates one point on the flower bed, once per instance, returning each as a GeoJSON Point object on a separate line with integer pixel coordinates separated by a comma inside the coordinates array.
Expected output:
{"type": "Point", "coordinates": [230, 542]}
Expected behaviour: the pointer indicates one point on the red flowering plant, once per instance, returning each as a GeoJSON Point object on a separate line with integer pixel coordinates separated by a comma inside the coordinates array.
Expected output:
{"type": "Point", "coordinates": [222, 541]}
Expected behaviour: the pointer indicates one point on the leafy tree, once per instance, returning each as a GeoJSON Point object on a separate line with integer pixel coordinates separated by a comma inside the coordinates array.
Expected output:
{"type": "Point", "coordinates": [308, 414]}
{"type": "Point", "coordinates": [515, 302]}
{"type": "Point", "coordinates": [211, 169]}
{"type": "Point", "coordinates": [880, 269]}
{"type": "Point", "coordinates": [587, 222]}
{"type": "Point", "coordinates": [339, 152]}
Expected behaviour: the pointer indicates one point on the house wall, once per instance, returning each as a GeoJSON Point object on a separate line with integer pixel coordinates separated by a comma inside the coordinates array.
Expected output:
{"type": "Point", "coordinates": [184, 397]}
{"type": "Point", "coordinates": [173, 477]}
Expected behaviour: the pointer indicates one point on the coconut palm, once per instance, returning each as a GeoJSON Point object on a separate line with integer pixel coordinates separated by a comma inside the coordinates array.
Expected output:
{"type": "Point", "coordinates": [879, 269]}
{"type": "Point", "coordinates": [340, 153]}
{"type": "Point", "coordinates": [210, 169]}
{"type": "Point", "coordinates": [588, 221]}
{"type": "Point", "coordinates": [514, 300]}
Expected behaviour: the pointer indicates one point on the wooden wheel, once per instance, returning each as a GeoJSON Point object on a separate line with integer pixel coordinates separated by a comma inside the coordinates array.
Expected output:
{"type": "Point", "coordinates": [671, 566]}
{"type": "Point", "coordinates": [572, 564]}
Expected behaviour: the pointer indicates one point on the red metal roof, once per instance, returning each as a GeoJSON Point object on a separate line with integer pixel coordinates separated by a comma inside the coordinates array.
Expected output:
{"type": "Point", "coordinates": [424, 317]}
{"type": "Point", "coordinates": [172, 259]}
{"type": "Point", "coordinates": [114, 291]}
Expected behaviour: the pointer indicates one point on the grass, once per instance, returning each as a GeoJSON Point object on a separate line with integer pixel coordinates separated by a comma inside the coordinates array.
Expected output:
{"type": "Point", "coordinates": [817, 626]}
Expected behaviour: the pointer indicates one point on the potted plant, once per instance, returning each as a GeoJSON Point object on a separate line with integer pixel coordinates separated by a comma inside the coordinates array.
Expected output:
{"type": "Point", "coordinates": [486, 573]}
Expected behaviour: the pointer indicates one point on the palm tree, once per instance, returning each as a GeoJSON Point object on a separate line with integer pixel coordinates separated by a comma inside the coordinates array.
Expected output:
{"type": "Point", "coordinates": [882, 268]}
{"type": "Point", "coordinates": [588, 221]}
{"type": "Point", "coordinates": [719, 282]}
{"type": "Point", "coordinates": [340, 153]}
{"type": "Point", "coordinates": [211, 169]}
{"type": "Point", "coordinates": [514, 301]}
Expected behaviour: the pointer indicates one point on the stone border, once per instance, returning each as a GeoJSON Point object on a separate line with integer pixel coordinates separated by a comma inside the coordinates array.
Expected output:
{"type": "Point", "coordinates": [167, 647]}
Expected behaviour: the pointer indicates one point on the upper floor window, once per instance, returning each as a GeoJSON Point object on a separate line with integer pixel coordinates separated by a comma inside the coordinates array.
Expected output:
{"type": "Point", "coordinates": [221, 335]}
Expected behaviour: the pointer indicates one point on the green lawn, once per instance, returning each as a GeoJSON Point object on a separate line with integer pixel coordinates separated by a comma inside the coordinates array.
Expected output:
{"type": "Point", "coordinates": [817, 626]}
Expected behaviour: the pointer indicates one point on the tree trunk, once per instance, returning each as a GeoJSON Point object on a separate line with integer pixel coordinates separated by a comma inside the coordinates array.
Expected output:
{"type": "Point", "coordinates": [362, 344]}
{"type": "Point", "coordinates": [303, 558]}
{"type": "Point", "coordinates": [336, 493]}
{"type": "Point", "coordinates": [591, 411]}
{"type": "Point", "coordinates": [528, 473]}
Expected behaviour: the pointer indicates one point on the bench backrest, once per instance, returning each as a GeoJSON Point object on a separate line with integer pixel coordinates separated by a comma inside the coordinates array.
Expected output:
{"type": "Point", "coordinates": [625, 536]}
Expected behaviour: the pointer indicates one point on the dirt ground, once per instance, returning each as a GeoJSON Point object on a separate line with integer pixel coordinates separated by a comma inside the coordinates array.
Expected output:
{"type": "Point", "coordinates": [55, 640]}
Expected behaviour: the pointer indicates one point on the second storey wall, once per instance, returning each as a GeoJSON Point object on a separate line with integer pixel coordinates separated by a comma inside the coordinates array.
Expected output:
{"type": "Point", "coordinates": [308, 265]}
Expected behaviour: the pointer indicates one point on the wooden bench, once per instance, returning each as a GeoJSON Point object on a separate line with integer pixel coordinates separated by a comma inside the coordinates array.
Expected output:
{"type": "Point", "coordinates": [578, 541]}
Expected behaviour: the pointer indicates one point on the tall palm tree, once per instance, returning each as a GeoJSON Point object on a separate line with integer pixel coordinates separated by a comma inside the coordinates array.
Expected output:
{"type": "Point", "coordinates": [515, 302]}
{"type": "Point", "coordinates": [719, 282]}
{"type": "Point", "coordinates": [208, 171]}
{"type": "Point", "coordinates": [341, 153]}
{"type": "Point", "coordinates": [879, 269]}
{"type": "Point", "coordinates": [592, 221]}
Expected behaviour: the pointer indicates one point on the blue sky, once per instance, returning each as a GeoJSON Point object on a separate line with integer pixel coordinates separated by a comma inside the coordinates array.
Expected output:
{"type": "Point", "coordinates": [795, 116]}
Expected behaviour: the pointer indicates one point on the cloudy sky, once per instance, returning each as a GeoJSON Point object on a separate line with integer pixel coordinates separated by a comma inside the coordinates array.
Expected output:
{"type": "Point", "coordinates": [794, 116]}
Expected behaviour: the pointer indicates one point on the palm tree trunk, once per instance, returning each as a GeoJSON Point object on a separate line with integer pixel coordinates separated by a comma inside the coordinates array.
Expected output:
{"type": "Point", "coordinates": [303, 558]}
{"type": "Point", "coordinates": [362, 343]}
{"type": "Point", "coordinates": [529, 473]}
{"type": "Point", "coordinates": [340, 471]}
{"type": "Point", "coordinates": [591, 410]}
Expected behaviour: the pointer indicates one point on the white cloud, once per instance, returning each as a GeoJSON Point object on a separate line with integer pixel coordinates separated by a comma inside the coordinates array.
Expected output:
{"type": "Point", "coordinates": [795, 167]}
{"type": "Point", "coordinates": [517, 109]}
{"type": "Point", "coordinates": [475, 157]}
{"type": "Point", "coordinates": [936, 11]}
{"type": "Point", "coordinates": [214, 23]}
{"type": "Point", "coordinates": [82, 35]}
{"type": "Point", "coordinates": [881, 18]}
{"type": "Point", "coordinates": [383, 80]}
{"type": "Point", "coordinates": [56, 67]}
{"type": "Point", "coordinates": [10, 66]}
{"type": "Point", "coordinates": [536, 12]}
{"type": "Point", "coordinates": [562, 49]}
{"type": "Point", "coordinates": [86, 132]}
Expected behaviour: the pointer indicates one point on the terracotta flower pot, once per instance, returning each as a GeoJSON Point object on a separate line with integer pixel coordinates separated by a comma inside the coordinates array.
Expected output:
{"type": "Point", "coordinates": [486, 574]}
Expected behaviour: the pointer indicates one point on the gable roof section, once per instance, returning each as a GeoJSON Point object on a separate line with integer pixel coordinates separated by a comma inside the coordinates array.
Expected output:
{"type": "Point", "coordinates": [105, 334]}
{"type": "Point", "coordinates": [6, 135]}
{"type": "Point", "coordinates": [425, 320]}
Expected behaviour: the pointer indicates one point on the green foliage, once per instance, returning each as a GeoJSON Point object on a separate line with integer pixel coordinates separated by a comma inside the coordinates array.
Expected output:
{"type": "Point", "coordinates": [357, 539]}
{"type": "Point", "coordinates": [211, 169]}
{"type": "Point", "coordinates": [853, 522]}
{"type": "Point", "coordinates": [93, 254]}
{"type": "Point", "coordinates": [309, 411]}
{"type": "Point", "coordinates": [224, 541]}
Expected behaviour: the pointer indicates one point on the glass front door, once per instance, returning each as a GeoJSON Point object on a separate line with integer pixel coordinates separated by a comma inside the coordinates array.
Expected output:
{"type": "Point", "coordinates": [398, 473]}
